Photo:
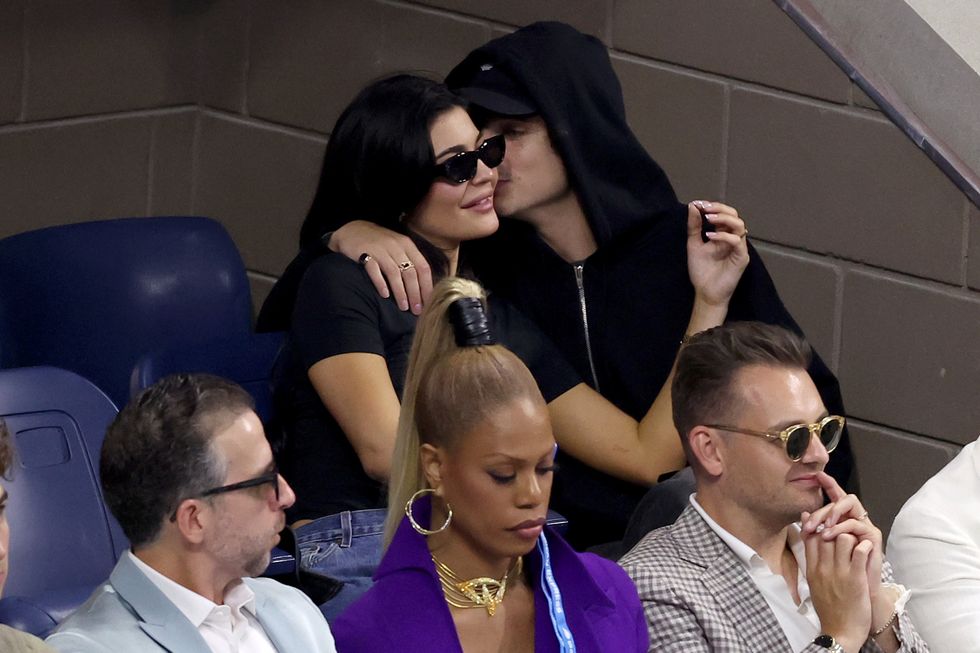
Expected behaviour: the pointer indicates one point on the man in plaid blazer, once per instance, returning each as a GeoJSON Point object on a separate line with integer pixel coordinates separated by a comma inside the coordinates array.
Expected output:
{"type": "Point", "coordinates": [757, 562]}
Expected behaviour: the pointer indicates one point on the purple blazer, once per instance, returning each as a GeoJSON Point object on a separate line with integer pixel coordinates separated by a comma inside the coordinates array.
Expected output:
{"type": "Point", "coordinates": [405, 610]}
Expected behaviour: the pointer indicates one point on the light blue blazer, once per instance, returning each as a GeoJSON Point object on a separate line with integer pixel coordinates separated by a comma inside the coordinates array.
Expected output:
{"type": "Point", "coordinates": [130, 614]}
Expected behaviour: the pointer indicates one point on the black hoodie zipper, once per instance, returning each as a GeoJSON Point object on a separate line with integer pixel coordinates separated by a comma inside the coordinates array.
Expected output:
{"type": "Point", "coordinates": [579, 269]}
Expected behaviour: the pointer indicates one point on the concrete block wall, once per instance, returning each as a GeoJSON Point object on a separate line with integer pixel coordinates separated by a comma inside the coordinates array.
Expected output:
{"type": "Point", "coordinates": [223, 108]}
{"type": "Point", "coordinates": [97, 109]}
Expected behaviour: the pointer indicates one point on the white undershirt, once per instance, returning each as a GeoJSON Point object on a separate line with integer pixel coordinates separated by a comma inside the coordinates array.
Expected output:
{"type": "Point", "coordinates": [228, 628]}
{"type": "Point", "coordinates": [800, 623]}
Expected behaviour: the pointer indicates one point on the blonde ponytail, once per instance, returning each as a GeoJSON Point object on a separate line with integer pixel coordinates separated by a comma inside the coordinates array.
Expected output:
{"type": "Point", "coordinates": [448, 390]}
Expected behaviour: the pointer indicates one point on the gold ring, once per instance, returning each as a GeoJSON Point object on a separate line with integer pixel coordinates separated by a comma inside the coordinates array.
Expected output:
{"type": "Point", "coordinates": [744, 233]}
{"type": "Point", "coordinates": [405, 265]}
{"type": "Point", "coordinates": [864, 516]}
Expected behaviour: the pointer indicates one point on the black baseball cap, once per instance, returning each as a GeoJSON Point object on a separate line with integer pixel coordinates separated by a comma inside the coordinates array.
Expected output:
{"type": "Point", "coordinates": [493, 90]}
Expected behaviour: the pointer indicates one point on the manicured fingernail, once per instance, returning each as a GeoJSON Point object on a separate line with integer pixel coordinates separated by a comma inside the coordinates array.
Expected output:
{"type": "Point", "coordinates": [706, 205]}
{"type": "Point", "coordinates": [418, 308]}
{"type": "Point", "coordinates": [403, 306]}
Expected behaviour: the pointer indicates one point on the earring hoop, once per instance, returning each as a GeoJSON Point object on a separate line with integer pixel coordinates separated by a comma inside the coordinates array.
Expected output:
{"type": "Point", "coordinates": [411, 518]}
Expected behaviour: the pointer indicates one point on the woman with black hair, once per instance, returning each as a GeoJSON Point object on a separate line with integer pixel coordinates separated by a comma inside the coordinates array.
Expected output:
{"type": "Point", "coordinates": [406, 155]}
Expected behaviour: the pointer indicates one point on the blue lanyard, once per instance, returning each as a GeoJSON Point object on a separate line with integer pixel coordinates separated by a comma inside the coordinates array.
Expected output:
{"type": "Point", "coordinates": [566, 643]}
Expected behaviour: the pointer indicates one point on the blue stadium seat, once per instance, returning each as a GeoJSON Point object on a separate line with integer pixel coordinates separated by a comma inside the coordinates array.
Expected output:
{"type": "Point", "coordinates": [248, 359]}
{"type": "Point", "coordinates": [64, 540]}
{"type": "Point", "coordinates": [94, 297]}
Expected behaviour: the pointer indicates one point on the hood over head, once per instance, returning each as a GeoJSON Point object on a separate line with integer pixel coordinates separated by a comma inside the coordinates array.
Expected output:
{"type": "Point", "coordinates": [566, 77]}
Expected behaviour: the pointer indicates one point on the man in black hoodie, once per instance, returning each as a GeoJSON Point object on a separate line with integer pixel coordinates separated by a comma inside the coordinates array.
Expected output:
{"type": "Point", "coordinates": [594, 250]}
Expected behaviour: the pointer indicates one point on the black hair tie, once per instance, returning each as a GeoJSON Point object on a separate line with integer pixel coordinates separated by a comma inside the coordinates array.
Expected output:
{"type": "Point", "coordinates": [469, 320]}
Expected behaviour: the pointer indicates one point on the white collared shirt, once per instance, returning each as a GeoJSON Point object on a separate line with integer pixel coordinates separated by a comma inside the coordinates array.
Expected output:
{"type": "Point", "coordinates": [800, 623]}
{"type": "Point", "coordinates": [228, 628]}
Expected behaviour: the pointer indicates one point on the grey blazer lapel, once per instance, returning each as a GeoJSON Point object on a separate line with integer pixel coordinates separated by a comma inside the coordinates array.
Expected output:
{"type": "Point", "coordinates": [277, 625]}
{"type": "Point", "coordinates": [733, 589]}
{"type": "Point", "coordinates": [159, 618]}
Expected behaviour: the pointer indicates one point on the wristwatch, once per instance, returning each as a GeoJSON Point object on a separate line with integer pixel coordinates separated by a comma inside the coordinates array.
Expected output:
{"type": "Point", "coordinates": [829, 643]}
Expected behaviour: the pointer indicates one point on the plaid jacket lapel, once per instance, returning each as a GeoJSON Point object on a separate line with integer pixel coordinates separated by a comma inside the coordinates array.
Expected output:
{"type": "Point", "coordinates": [727, 581]}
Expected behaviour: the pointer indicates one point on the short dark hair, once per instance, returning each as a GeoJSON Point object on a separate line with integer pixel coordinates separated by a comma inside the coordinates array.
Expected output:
{"type": "Point", "coordinates": [379, 161]}
{"type": "Point", "coordinates": [6, 450]}
{"type": "Point", "coordinates": [158, 450]}
{"type": "Point", "coordinates": [703, 391]}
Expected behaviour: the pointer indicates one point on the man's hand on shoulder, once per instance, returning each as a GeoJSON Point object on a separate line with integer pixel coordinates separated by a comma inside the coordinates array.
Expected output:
{"type": "Point", "coordinates": [391, 260]}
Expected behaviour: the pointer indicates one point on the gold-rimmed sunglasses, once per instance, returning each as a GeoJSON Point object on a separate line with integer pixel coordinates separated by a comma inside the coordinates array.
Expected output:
{"type": "Point", "coordinates": [796, 438]}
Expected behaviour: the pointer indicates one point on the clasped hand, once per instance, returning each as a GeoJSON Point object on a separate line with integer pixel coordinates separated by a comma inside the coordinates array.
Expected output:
{"type": "Point", "coordinates": [844, 560]}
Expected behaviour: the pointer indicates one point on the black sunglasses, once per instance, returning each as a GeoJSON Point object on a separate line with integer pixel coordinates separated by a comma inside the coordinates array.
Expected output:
{"type": "Point", "coordinates": [270, 477]}
{"type": "Point", "coordinates": [461, 167]}
{"type": "Point", "coordinates": [796, 438]}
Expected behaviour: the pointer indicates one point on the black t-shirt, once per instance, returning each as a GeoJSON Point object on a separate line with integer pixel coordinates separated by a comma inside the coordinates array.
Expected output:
{"type": "Point", "coordinates": [338, 311]}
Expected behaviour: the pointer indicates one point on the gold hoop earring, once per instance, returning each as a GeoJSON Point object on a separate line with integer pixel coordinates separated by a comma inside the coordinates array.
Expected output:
{"type": "Point", "coordinates": [411, 518]}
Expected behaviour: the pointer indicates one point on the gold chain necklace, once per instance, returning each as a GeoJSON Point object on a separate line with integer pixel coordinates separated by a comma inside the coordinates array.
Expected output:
{"type": "Point", "coordinates": [477, 592]}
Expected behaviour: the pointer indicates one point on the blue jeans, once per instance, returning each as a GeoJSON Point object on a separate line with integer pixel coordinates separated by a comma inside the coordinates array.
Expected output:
{"type": "Point", "coordinates": [346, 547]}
